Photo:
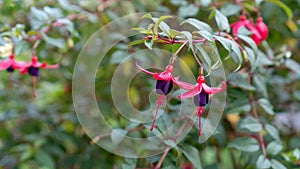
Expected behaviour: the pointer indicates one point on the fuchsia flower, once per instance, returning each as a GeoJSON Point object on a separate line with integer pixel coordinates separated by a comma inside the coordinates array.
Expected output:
{"type": "Point", "coordinates": [10, 65]}
{"type": "Point", "coordinates": [33, 67]}
{"type": "Point", "coordinates": [200, 92]}
{"type": "Point", "coordinates": [260, 30]}
{"type": "Point", "coordinates": [164, 85]}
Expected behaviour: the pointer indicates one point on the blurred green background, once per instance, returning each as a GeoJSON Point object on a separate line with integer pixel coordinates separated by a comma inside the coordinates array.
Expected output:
{"type": "Point", "coordinates": [44, 132]}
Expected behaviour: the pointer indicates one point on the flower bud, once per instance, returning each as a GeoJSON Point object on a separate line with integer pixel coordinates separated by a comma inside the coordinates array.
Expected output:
{"type": "Point", "coordinates": [262, 28]}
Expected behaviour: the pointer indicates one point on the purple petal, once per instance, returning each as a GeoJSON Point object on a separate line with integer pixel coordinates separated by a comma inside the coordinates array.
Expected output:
{"type": "Point", "coordinates": [201, 99]}
{"type": "Point", "coordinates": [164, 87]}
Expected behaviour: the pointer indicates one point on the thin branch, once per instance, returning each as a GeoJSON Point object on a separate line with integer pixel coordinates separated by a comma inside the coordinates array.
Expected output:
{"type": "Point", "coordinates": [162, 158]}
{"type": "Point", "coordinates": [99, 137]}
{"type": "Point", "coordinates": [173, 41]}
{"type": "Point", "coordinates": [174, 139]}
{"type": "Point", "coordinates": [35, 45]}
{"type": "Point", "coordinates": [255, 114]}
{"type": "Point", "coordinates": [106, 5]}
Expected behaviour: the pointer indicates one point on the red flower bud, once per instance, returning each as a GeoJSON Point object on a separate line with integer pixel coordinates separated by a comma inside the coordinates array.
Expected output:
{"type": "Point", "coordinates": [262, 28]}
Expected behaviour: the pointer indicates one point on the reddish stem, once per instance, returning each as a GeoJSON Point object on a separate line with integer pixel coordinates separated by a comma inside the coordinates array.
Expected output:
{"type": "Point", "coordinates": [34, 86]}
{"type": "Point", "coordinates": [173, 41]}
{"type": "Point", "coordinates": [9, 81]}
{"type": "Point", "coordinates": [200, 111]}
{"type": "Point", "coordinates": [160, 101]}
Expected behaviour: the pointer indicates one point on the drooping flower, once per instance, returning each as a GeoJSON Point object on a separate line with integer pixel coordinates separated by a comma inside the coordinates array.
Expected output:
{"type": "Point", "coordinates": [200, 92]}
{"type": "Point", "coordinates": [164, 85]}
{"type": "Point", "coordinates": [10, 64]}
{"type": "Point", "coordinates": [244, 22]}
{"type": "Point", "coordinates": [33, 67]}
{"type": "Point", "coordinates": [262, 28]}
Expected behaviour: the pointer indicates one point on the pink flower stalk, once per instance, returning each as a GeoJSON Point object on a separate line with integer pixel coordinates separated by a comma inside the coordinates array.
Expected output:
{"type": "Point", "coordinates": [164, 85]}
{"type": "Point", "coordinates": [244, 22]}
{"type": "Point", "coordinates": [33, 67]}
{"type": "Point", "coordinates": [200, 92]}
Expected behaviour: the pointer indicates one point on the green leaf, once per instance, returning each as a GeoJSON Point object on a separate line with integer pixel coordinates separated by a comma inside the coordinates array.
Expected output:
{"type": "Point", "coordinates": [263, 162]}
{"type": "Point", "coordinates": [189, 37]}
{"type": "Point", "coordinates": [258, 2]}
{"type": "Point", "coordinates": [245, 144]}
{"type": "Point", "coordinates": [240, 80]}
{"type": "Point", "coordinates": [69, 25]}
{"type": "Point", "coordinates": [45, 159]}
{"type": "Point", "coordinates": [170, 143]}
{"type": "Point", "coordinates": [251, 124]}
{"type": "Point", "coordinates": [198, 24]}
{"type": "Point", "coordinates": [65, 4]}
{"type": "Point", "coordinates": [141, 30]}
{"type": "Point", "coordinates": [37, 18]}
{"type": "Point", "coordinates": [136, 42]}
{"type": "Point", "coordinates": [229, 9]}
{"type": "Point", "coordinates": [205, 35]}
{"type": "Point", "coordinates": [178, 2]}
{"type": "Point", "coordinates": [215, 57]}
{"type": "Point", "coordinates": [204, 3]}
{"type": "Point", "coordinates": [266, 105]}
{"type": "Point", "coordinates": [273, 132]}
{"type": "Point", "coordinates": [204, 57]}
{"type": "Point", "coordinates": [277, 165]}
{"type": "Point", "coordinates": [130, 163]}
{"type": "Point", "coordinates": [21, 47]}
{"type": "Point", "coordinates": [192, 154]}
{"type": "Point", "coordinates": [148, 43]}
{"type": "Point", "coordinates": [117, 135]}
{"type": "Point", "coordinates": [296, 153]}
{"type": "Point", "coordinates": [53, 13]}
{"type": "Point", "coordinates": [118, 56]}
{"type": "Point", "coordinates": [147, 15]}
{"type": "Point", "coordinates": [225, 42]}
{"type": "Point", "coordinates": [162, 25]}
{"type": "Point", "coordinates": [260, 84]}
{"type": "Point", "coordinates": [174, 33]}
{"type": "Point", "coordinates": [274, 148]}
{"type": "Point", "coordinates": [57, 42]}
{"type": "Point", "coordinates": [251, 58]}
{"type": "Point", "coordinates": [250, 42]}
{"type": "Point", "coordinates": [239, 109]}
{"type": "Point", "coordinates": [235, 48]}
{"type": "Point", "coordinates": [158, 23]}
{"type": "Point", "coordinates": [293, 65]}
{"type": "Point", "coordinates": [222, 21]}
{"type": "Point", "coordinates": [297, 95]}
{"type": "Point", "coordinates": [187, 10]}
{"type": "Point", "coordinates": [287, 10]}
